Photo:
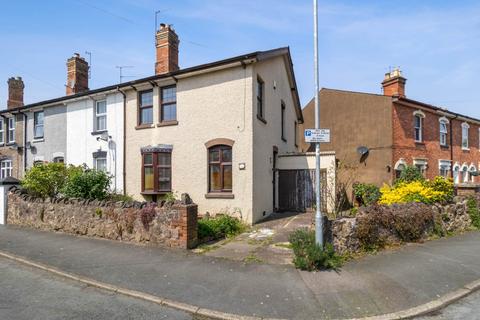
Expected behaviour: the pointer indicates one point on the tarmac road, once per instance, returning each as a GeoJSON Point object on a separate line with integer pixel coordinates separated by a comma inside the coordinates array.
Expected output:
{"type": "Point", "coordinates": [29, 293]}
{"type": "Point", "coordinates": [466, 309]}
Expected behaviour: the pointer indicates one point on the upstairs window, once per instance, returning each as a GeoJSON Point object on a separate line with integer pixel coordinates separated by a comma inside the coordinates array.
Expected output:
{"type": "Point", "coordinates": [157, 172]}
{"type": "Point", "coordinates": [38, 124]}
{"type": "Point", "coordinates": [2, 132]}
{"type": "Point", "coordinates": [465, 128]}
{"type": "Point", "coordinates": [5, 168]}
{"type": "Point", "coordinates": [260, 97]}
{"type": "Point", "coordinates": [145, 106]}
{"type": "Point", "coordinates": [283, 121]}
{"type": "Point", "coordinates": [101, 115]}
{"type": "Point", "coordinates": [418, 128]}
{"type": "Point", "coordinates": [443, 132]}
{"type": "Point", "coordinates": [11, 130]}
{"type": "Point", "coordinates": [220, 168]}
{"type": "Point", "coordinates": [168, 104]}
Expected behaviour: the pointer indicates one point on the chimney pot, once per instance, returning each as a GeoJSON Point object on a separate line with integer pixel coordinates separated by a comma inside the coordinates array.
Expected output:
{"type": "Point", "coordinates": [166, 42]}
{"type": "Point", "coordinates": [77, 75]}
{"type": "Point", "coordinates": [15, 92]}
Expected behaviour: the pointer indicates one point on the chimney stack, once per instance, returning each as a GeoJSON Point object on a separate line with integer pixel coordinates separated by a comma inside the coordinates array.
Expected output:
{"type": "Point", "coordinates": [77, 75]}
{"type": "Point", "coordinates": [15, 93]}
{"type": "Point", "coordinates": [166, 42]}
{"type": "Point", "coordinates": [394, 84]}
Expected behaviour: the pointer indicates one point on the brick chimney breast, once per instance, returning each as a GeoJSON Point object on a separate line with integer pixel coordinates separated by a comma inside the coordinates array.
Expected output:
{"type": "Point", "coordinates": [394, 84]}
{"type": "Point", "coordinates": [77, 75]}
{"type": "Point", "coordinates": [166, 43]}
{"type": "Point", "coordinates": [15, 93]}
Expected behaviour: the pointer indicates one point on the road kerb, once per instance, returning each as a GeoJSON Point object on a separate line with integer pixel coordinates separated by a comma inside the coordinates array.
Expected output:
{"type": "Point", "coordinates": [420, 310]}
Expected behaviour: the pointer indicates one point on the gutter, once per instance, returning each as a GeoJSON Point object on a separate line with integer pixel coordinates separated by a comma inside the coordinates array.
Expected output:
{"type": "Point", "coordinates": [124, 166]}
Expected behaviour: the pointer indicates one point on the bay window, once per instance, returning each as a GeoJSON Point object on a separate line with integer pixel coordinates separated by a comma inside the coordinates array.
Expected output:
{"type": "Point", "coordinates": [5, 168]}
{"type": "Point", "coordinates": [156, 171]}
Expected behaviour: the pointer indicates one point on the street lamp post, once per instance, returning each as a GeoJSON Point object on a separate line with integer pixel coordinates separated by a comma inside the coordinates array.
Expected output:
{"type": "Point", "coordinates": [318, 213]}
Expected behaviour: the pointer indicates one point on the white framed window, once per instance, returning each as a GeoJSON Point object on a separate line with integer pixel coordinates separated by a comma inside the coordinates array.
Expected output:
{"type": "Point", "coordinates": [38, 124]}
{"type": "Point", "coordinates": [444, 167]}
{"type": "Point", "coordinates": [465, 128]}
{"type": "Point", "coordinates": [418, 125]}
{"type": "Point", "coordinates": [443, 131]}
{"type": "Point", "coordinates": [5, 168]}
{"type": "Point", "coordinates": [59, 159]}
{"type": "Point", "coordinates": [2, 131]}
{"type": "Point", "coordinates": [456, 173]}
{"type": "Point", "coordinates": [100, 164]}
{"type": "Point", "coordinates": [101, 115]}
{"type": "Point", "coordinates": [421, 164]}
{"type": "Point", "coordinates": [464, 174]}
{"type": "Point", "coordinates": [400, 165]}
{"type": "Point", "coordinates": [11, 130]}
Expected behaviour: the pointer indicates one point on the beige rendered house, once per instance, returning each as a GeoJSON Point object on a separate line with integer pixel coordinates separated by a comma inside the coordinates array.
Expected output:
{"type": "Point", "coordinates": [213, 131]}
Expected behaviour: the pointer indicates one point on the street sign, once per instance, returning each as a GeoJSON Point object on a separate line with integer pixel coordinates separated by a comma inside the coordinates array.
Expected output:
{"type": "Point", "coordinates": [317, 135]}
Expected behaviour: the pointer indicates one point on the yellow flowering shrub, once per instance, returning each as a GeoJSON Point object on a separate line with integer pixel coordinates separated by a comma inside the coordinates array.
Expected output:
{"type": "Point", "coordinates": [415, 191]}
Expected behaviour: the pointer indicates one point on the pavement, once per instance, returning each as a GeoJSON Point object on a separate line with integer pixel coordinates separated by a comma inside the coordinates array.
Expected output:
{"type": "Point", "coordinates": [267, 242]}
{"type": "Point", "coordinates": [29, 293]}
{"type": "Point", "coordinates": [388, 282]}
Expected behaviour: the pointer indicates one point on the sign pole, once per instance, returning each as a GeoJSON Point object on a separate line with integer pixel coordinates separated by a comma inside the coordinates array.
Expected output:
{"type": "Point", "coordinates": [318, 213]}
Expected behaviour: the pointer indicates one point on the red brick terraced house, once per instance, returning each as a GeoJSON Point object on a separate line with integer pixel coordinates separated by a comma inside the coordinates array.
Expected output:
{"type": "Point", "coordinates": [383, 133]}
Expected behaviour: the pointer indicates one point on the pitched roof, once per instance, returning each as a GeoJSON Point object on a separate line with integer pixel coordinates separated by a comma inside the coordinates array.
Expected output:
{"type": "Point", "coordinates": [257, 55]}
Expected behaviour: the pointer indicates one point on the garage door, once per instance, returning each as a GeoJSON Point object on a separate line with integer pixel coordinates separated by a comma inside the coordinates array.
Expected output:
{"type": "Point", "coordinates": [296, 190]}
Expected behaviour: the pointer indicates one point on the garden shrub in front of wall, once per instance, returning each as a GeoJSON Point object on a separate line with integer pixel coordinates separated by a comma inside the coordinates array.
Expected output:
{"type": "Point", "coordinates": [87, 183]}
{"type": "Point", "coordinates": [366, 193]}
{"type": "Point", "coordinates": [439, 190]}
{"type": "Point", "coordinates": [473, 212]}
{"type": "Point", "coordinates": [379, 225]}
{"type": "Point", "coordinates": [219, 226]}
{"type": "Point", "coordinates": [410, 174]}
{"type": "Point", "coordinates": [46, 180]}
{"type": "Point", "coordinates": [308, 255]}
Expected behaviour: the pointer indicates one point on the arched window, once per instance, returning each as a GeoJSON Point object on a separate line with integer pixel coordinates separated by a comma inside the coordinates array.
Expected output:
{"type": "Point", "coordinates": [220, 168]}
{"type": "Point", "coordinates": [456, 173]}
{"type": "Point", "coordinates": [471, 173]}
{"type": "Point", "coordinates": [399, 167]}
{"type": "Point", "coordinates": [418, 117]}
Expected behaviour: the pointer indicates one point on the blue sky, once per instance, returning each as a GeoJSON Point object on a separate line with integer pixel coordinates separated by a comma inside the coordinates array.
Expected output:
{"type": "Point", "coordinates": [435, 42]}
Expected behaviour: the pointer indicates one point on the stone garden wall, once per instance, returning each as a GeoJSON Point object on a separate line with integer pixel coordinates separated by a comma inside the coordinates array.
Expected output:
{"type": "Point", "coordinates": [398, 223]}
{"type": "Point", "coordinates": [167, 224]}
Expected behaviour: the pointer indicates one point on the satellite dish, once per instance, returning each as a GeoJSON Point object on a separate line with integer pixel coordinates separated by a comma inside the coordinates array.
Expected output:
{"type": "Point", "coordinates": [362, 150]}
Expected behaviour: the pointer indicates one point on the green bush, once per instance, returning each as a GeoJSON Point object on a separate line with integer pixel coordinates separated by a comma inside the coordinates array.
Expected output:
{"type": "Point", "coordinates": [46, 180]}
{"type": "Point", "coordinates": [473, 212]}
{"type": "Point", "coordinates": [444, 185]}
{"type": "Point", "coordinates": [309, 255]}
{"type": "Point", "coordinates": [87, 184]}
{"type": "Point", "coordinates": [113, 196]}
{"type": "Point", "coordinates": [410, 174]}
{"type": "Point", "coordinates": [220, 226]}
{"type": "Point", "coordinates": [366, 193]}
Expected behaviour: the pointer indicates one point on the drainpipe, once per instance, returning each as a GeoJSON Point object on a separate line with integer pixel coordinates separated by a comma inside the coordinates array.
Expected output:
{"type": "Point", "coordinates": [124, 173]}
{"type": "Point", "coordinates": [451, 145]}
{"type": "Point", "coordinates": [24, 141]}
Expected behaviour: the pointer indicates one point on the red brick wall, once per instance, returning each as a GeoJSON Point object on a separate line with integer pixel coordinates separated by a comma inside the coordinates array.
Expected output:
{"type": "Point", "coordinates": [404, 145]}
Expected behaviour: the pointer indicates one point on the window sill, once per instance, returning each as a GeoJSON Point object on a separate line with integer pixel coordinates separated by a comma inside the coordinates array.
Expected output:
{"type": "Point", "coordinates": [153, 193]}
{"type": "Point", "coordinates": [465, 149]}
{"type": "Point", "coordinates": [36, 140]}
{"type": "Point", "coordinates": [96, 133]}
{"type": "Point", "coordinates": [219, 195]}
{"type": "Point", "coordinates": [444, 146]}
{"type": "Point", "coordinates": [261, 119]}
{"type": "Point", "coordinates": [10, 143]}
{"type": "Point", "coordinates": [144, 126]}
{"type": "Point", "coordinates": [420, 143]}
{"type": "Point", "coordinates": [167, 123]}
